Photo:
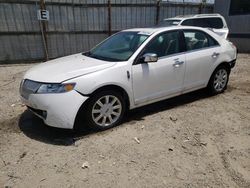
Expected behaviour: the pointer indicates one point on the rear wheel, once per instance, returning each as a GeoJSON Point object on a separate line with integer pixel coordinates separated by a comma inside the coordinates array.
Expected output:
{"type": "Point", "coordinates": [219, 79]}
{"type": "Point", "coordinates": [105, 110]}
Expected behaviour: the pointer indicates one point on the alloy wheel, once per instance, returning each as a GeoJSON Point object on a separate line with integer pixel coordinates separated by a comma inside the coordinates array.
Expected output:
{"type": "Point", "coordinates": [220, 80]}
{"type": "Point", "coordinates": [106, 110]}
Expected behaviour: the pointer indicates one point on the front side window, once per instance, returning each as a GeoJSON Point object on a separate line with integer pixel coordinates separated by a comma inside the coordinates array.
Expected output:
{"type": "Point", "coordinates": [215, 23]}
{"type": "Point", "coordinates": [197, 40]}
{"type": "Point", "coordinates": [164, 44]}
{"type": "Point", "coordinates": [118, 47]}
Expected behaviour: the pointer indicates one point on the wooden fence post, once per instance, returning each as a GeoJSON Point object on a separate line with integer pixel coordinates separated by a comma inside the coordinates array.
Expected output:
{"type": "Point", "coordinates": [109, 18]}
{"type": "Point", "coordinates": [44, 31]}
{"type": "Point", "coordinates": [157, 12]}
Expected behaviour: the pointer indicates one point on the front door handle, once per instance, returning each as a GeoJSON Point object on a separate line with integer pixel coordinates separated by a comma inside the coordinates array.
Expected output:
{"type": "Point", "coordinates": [178, 63]}
{"type": "Point", "coordinates": [215, 54]}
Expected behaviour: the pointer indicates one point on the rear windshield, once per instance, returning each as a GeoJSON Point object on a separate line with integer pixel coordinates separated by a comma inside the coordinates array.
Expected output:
{"type": "Point", "coordinates": [215, 23]}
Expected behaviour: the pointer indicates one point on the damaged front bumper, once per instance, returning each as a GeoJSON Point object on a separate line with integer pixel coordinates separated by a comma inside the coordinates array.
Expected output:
{"type": "Point", "coordinates": [56, 110]}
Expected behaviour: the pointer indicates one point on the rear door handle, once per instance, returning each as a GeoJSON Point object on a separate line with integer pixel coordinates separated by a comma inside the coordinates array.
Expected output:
{"type": "Point", "coordinates": [178, 63]}
{"type": "Point", "coordinates": [215, 55]}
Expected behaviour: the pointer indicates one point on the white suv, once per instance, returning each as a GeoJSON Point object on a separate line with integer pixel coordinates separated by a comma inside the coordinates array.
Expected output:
{"type": "Point", "coordinates": [132, 68]}
{"type": "Point", "coordinates": [216, 22]}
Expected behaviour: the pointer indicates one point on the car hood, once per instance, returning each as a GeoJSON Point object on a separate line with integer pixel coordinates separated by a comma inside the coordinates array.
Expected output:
{"type": "Point", "coordinates": [65, 68]}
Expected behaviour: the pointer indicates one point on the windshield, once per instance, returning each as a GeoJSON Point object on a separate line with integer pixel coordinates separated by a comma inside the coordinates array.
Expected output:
{"type": "Point", "coordinates": [118, 47]}
{"type": "Point", "coordinates": [165, 23]}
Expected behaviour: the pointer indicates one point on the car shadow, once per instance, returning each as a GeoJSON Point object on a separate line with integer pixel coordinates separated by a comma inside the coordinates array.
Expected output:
{"type": "Point", "coordinates": [34, 128]}
{"type": "Point", "coordinates": [138, 114]}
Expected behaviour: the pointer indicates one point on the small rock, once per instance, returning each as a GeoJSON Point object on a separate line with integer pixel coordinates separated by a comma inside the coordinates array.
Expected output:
{"type": "Point", "coordinates": [102, 156]}
{"type": "Point", "coordinates": [85, 165]}
{"type": "Point", "coordinates": [174, 119]}
{"type": "Point", "coordinates": [133, 161]}
{"type": "Point", "coordinates": [142, 127]}
{"type": "Point", "coordinates": [137, 140]}
{"type": "Point", "coordinates": [152, 161]}
{"type": "Point", "coordinates": [203, 143]}
{"type": "Point", "coordinates": [13, 105]}
{"type": "Point", "coordinates": [100, 173]}
{"type": "Point", "coordinates": [23, 155]}
{"type": "Point", "coordinates": [197, 134]}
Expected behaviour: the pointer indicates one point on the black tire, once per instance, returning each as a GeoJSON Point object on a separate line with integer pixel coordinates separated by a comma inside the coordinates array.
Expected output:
{"type": "Point", "coordinates": [89, 116]}
{"type": "Point", "coordinates": [212, 86]}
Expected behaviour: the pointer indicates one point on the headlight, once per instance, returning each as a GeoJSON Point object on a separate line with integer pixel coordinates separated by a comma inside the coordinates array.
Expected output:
{"type": "Point", "coordinates": [55, 88]}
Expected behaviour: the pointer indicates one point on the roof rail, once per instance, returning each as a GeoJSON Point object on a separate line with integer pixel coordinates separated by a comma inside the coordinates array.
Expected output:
{"type": "Point", "coordinates": [184, 16]}
{"type": "Point", "coordinates": [203, 15]}
{"type": "Point", "coordinates": [196, 15]}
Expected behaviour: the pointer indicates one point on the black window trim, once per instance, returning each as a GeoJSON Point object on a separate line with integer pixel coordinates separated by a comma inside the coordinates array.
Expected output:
{"type": "Point", "coordinates": [181, 44]}
{"type": "Point", "coordinates": [206, 34]}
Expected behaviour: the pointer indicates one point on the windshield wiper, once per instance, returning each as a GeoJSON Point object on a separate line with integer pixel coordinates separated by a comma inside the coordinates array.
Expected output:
{"type": "Point", "coordinates": [87, 53]}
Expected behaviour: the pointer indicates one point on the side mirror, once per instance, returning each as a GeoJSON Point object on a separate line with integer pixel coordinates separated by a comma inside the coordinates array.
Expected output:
{"type": "Point", "coordinates": [150, 58]}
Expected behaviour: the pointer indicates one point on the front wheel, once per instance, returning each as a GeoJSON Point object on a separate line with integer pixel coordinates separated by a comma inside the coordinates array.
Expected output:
{"type": "Point", "coordinates": [105, 110]}
{"type": "Point", "coordinates": [219, 79]}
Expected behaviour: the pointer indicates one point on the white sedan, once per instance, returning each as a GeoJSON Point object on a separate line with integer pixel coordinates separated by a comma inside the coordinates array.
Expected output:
{"type": "Point", "coordinates": [130, 69]}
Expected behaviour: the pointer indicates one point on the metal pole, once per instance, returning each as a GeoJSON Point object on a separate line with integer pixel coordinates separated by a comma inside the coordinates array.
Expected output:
{"type": "Point", "coordinates": [43, 31]}
{"type": "Point", "coordinates": [202, 5]}
{"type": "Point", "coordinates": [109, 18]}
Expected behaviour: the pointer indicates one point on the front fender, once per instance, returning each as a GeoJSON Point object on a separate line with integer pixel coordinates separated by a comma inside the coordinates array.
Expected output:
{"type": "Point", "coordinates": [116, 76]}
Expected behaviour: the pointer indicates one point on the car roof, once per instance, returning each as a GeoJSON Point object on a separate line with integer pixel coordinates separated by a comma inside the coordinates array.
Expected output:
{"type": "Point", "coordinates": [181, 17]}
{"type": "Point", "coordinates": [152, 30]}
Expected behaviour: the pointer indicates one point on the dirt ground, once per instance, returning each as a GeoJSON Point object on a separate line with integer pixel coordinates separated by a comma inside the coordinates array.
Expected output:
{"type": "Point", "coordinates": [193, 140]}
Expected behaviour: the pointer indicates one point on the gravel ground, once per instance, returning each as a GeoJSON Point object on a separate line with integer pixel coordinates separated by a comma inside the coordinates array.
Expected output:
{"type": "Point", "coordinates": [194, 140]}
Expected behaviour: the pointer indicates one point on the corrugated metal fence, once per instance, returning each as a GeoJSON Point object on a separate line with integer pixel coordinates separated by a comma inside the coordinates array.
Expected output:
{"type": "Point", "coordinates": [76, 25]}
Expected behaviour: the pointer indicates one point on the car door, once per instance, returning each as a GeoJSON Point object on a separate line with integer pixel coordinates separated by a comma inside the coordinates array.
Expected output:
{"type": "Point", "coordinates": [202, 53]}
{"type": "Point", "coordinates": [152, 81]}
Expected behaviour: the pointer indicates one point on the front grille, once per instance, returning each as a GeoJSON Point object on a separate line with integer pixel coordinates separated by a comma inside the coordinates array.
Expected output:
{"type": "Point", "coordinates": [28, 87]}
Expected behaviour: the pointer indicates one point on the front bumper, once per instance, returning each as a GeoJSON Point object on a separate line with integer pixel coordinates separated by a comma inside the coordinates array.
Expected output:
{"type": "Point", "coordinates": [56, 110]}
{"type": "Point", "coordinates": [232, 63]}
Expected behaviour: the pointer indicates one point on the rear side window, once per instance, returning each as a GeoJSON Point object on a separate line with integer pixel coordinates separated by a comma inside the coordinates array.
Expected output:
{"type": "Point", "coordinates": [215, 23]}
{"type": "Point", "coordinates": [197, 40]}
